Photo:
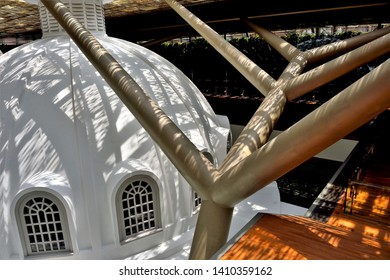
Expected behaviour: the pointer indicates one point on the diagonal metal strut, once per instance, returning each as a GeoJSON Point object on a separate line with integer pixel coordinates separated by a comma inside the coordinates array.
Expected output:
{"type": "Point", "coordinates": [253, 162]}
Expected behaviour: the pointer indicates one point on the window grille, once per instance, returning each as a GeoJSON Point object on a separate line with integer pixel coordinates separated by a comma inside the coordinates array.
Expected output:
{"type": "Point", "coordinates": [197, 201]}
{"type": "Point", "coordinates": [138, 204]}
{"type": "Point", "coordinates": [44, 226]}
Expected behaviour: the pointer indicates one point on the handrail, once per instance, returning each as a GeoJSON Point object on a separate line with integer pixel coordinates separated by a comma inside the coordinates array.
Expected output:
{"type": "Point", "coordinates": [384, 188]}
{"type": "Point", "coordinates": [352, 191]}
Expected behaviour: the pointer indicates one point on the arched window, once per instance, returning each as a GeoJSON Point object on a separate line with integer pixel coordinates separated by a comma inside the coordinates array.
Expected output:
{"type": "Point", "coordinates": [43, 224]}
{"type": "Point", "coordinates": [138, 208]}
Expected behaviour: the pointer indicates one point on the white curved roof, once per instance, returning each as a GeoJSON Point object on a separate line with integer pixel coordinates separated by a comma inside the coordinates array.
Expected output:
{"type": "Point", "coordinates": [61, 122]}
{"type": "Point", "coordinates": [49, 87]}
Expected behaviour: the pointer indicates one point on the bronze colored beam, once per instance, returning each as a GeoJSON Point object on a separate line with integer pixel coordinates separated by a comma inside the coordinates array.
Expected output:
{"type": "Point", "coordinates": [211, 231]}
{"type": "Point", "coordinates": [350, 109]}
{"type": "Point", "coordinates": [252, 165]}
{"type": "Point", "coordinates": [179, 149]}
{"type": "Point", "coordinates": [253, 73]}
{"type": "Point", "coordinates": [325, 73]}
{"type": "Point", "coordinates": [256, 132]}
{"type": "Point", "coordinates": [332, 50]}
{"type": "Point", "coordinates": [287, 50]}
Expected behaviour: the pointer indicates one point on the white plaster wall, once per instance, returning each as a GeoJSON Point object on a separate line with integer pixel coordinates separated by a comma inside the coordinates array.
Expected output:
{"type": "Point", "coordinates": [57, 118]}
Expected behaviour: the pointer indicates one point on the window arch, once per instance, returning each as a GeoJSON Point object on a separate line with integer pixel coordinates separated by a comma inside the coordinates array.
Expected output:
{"type": "Point", "coordinates": [138, 208]}
{"type": "Point", "coordinates": [43, 224]}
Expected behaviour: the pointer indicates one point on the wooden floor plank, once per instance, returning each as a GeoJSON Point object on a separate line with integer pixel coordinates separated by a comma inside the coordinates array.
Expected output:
{"type": "Point", "coordinates": [360, 234]}
{"type": "Point", "coordinates": [283, 237]}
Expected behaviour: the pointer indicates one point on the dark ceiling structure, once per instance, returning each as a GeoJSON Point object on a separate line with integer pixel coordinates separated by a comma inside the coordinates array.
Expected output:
{"type": "Point", "coordinates": [225, 17]}
{"type": "Point", "coordinates": [145, 20]}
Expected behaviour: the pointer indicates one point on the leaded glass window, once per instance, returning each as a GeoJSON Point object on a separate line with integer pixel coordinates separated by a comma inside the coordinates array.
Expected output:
{"type": "Point", "coordinates": [138, 207]}
{"type": "Point", "coordinates": [43, 222]}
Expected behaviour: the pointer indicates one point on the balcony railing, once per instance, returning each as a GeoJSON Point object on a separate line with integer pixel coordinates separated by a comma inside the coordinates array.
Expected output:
{"type": "Point", "coordinates": [368, 201]}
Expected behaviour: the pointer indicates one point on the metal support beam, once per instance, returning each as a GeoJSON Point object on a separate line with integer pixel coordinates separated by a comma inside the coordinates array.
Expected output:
{"type": "Point", "coordinates": [332, 50]}
{"type": "Point", "coordinates": [253, 163]}
{"type": "Point", "coordinates": [325, 73]}
{"type": "Point", "coordinates": [253, 73]}
{"type": "Point", "coordinates": [350, 109]}
{"type": "Point", "coordinates": [257, 131]}
{"type": "Point", "coordinates": [211, 230]}
{"type": "Point", "coordinates": [179, 149]}
{"type": "Point", "coordinates": [287, 50]}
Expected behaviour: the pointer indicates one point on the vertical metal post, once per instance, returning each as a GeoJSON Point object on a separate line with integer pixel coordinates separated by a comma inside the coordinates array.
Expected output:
{"type": "Point", "coordinates": [211, 230]}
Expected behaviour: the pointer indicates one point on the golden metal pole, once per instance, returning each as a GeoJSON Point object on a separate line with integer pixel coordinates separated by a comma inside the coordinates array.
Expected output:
{"type": "Point", "coordinates": [345, 112]}
{"type": "Point", "coordinates": [350, 109]}
{"type": "Point", "coordinates": [191, 164]}
{"type": "Point", "coordinates": [214, 221]}
{"type": "Point", "coordinates": [287, 50]}
{"type": "Point", "coordinates": [211, 231]}
{"type": "Point", "coordinates": [253, 73]}
{"type": "Point", "coordinates": [179, 149]}
{"type": "Point", "coordinates": [332, 50]}
{"type": "Point", "coordinates": [208, 237]}
{"type": "Point", "coordinates": [320, 75]}
{"type": "Point", "coordinates": [256, 132]}
{"type": "Point", "coordinates": [232, 187]}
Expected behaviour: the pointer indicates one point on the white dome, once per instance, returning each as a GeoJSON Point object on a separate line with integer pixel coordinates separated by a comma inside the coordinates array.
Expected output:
{"type": "Point", "coordinates": [65, 133]}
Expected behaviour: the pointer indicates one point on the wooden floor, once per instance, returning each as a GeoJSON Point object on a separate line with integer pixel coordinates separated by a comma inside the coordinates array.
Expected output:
{"type": "Point", "coordinates": [296, 238]}
{"type": "Point", "coordinates": [363, 234]}
{"type": "Point", "coordinates": [343, 236]}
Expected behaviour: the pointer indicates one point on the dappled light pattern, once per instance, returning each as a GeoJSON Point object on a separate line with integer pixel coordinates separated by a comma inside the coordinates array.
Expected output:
{"type": "Point", "coordinates": [368, 201]}
{"type": "Point", "coordinates": [90, 111]}
{"type": "Point", "coordinates": [255, 75]}
{"type": "Point", "coordinates": [357, 229]}
{"type": "Point", "coordinates": [253, 162]}
{"type": "Point", "coordinates": [58, 116]}
{"type": "Point", "coordinates": [298, 238]}
{"type": "Point", "coordinates": [258, 130]}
